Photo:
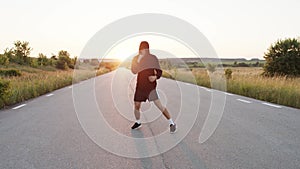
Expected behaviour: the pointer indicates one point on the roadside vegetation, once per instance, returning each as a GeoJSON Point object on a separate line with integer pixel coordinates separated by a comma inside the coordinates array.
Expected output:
{"type": "Point", "coordinates": [275, 80]}
{"type": "Point", "coordinates": [23, 77]}
{"type": "Point", "coordinates": [247, 82]}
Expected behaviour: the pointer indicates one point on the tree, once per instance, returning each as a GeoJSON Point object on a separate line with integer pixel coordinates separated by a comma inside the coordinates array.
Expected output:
{"type": "Point", "coordinates": [53, 57]}
{"type": "Point", "coordinates": [64, 61]}
{"type": "Point", "coordinates": [53, 60]}
{"type": "Point", "coordinates": [9, 54]}
{"type": "Point", "coordinates": [33, 62]}
{"type": "Point", "coordinates": [4, 60]}
{"type": "Point", "coordinates": [43, 60]}
{"type": "Point", "coordinates": [76, 64]}
{"type": "Point", "coordinates": [235, 64]}
{"type": "Point", "coordinates": [21, 52]}
{"type": "Point", "coordinates": [228, 74]}
{"type": "Point", "coordinates": [283, 58]}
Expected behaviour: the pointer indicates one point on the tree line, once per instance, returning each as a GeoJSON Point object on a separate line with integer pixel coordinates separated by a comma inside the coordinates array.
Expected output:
{"type": "Point", "coordinates": [282, 58]}
{"type": "Point", "coordinates": [20, 54]}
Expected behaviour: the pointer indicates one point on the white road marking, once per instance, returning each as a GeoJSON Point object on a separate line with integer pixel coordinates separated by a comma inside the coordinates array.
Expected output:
{"type": "Point", "coordinates": [272, 105]}
{"type": "Point", "coordinates": [229, 94]}
{"type": "Point", "coordinates": [245, 101]}
{"type": "Point", "coordinates": [22, 105]}
{"type": "Point", "coordinates": [207, 89]}
{"type": "Point", "coordinates": [70, 87]}
{"type": "Point", "coordinates": [48, 95]}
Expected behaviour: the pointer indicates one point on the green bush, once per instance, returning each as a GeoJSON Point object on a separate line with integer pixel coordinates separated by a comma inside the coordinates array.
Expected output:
{"type": "Point", "coordinates": [19, 53]}
{"type": "Point", "coordinates": [10, 72]}
{"type": "Point", "coordinates": [283, 58]}
{"type": "Point", "coordinates": [61, 64]}
{"type": "Point", "coordinates": [34, 63]}
{"type": "Point", "coordinates": [42, 60]}
{"type": "Point", "coordinates": [64, 61]}
{"type": "Point", "coordinates": [4, 91]}
{"type": "Point", "coordinates": [228, 73]}
{"type": "Point", "coordinates": [4, 60]}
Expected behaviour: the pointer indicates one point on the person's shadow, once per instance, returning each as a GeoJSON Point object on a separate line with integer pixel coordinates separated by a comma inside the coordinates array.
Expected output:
{"type": "Point", "coordinates": [141, 148]}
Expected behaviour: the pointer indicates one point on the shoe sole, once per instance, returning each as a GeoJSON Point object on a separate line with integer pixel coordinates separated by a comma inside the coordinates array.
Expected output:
{"type": "Point", "coordinates": [137, 127]}
{"type": "Point", "coordinates": [174, 131]}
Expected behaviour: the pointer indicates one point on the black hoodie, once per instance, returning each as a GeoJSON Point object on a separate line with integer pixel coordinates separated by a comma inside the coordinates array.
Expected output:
{"type": "Point", "coordinates": [144, 69]}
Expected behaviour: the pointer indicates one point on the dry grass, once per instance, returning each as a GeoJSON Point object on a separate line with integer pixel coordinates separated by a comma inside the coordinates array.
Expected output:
{"type": "Point", "coordinates": [35, 82]}
{"type": "Point", "coordinates": [247, 82]}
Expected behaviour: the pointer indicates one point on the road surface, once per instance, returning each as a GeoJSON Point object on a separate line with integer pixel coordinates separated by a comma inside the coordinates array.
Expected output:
{"type": "Point", "coordinates": [45, 132]}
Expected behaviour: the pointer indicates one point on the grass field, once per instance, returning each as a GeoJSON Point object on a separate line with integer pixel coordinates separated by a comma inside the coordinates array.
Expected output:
{"type": "Point", "coordinates": [247, 82]}
{"type": "Point", "coordinates": [34, 82]}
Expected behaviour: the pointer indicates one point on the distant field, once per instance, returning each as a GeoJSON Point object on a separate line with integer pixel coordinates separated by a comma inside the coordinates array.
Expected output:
{"type": "Point", "coordinates": [247, 82]}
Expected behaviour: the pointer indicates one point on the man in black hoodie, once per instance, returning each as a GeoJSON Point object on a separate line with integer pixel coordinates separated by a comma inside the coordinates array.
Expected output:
{"type": "Point", "coordinates": [148, 71]}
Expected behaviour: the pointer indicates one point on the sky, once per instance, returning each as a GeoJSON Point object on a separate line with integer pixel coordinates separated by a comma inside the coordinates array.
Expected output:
{"type": "Point", "coordinates": [235, 28]}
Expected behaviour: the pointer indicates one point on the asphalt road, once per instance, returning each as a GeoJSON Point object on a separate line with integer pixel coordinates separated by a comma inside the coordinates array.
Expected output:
{"type": "Point", "coordinates": [46, 132]}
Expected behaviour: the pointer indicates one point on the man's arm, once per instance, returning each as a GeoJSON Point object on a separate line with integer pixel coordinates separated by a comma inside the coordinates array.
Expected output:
{"type": "Point", "coordinates": [134, 65]}
{"type": "Point", "coordinates": [158, 73]}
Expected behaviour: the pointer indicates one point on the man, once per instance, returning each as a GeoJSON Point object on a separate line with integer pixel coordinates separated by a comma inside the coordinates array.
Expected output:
{"type": "Point", "coordinates": [148, 70]}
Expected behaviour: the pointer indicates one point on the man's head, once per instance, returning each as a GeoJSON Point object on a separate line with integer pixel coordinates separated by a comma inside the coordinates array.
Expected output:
{"type": "Point", "coordinates": [144, 47]}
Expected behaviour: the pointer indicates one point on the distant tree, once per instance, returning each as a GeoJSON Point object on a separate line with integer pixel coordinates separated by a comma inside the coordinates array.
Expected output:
{"type": "Point", "coordinates": [42, 60]}
{"type": "Point", "coordinates": [54, 57]}
{"type": "Point", "coordinates": [64, 61]}
{"type": "Point", "coordinates": [243, 64]}
{"type": "Point", "coordinates": [74, 62]}
{"type": "Point", "coordinates": [283, 58]}
{"type": "Point", "coordinates": [94, 62]}
{"type": "Point", "coordinates": [8, 53]}
{"type": "Point", "coordinates": [228, 74]}
{"type": "Point", "coordinates": [21, 52]}
{"type": "Point", "coordinates": [33, 62]}
{"type": "Point", "coordinates": [53, 60]}
{"type": "Point", "coordinates": [4, 60]}
{"type": "Point", "coordinates": [235, 63]}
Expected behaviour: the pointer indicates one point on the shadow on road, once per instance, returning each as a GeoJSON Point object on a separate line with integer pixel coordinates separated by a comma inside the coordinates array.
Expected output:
{"type": "Point", "coordinates": [141, 148]}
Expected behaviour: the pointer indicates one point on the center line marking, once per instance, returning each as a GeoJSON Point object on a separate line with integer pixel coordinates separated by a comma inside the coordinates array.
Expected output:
{"type": "Point", "coordinates": [245, 101]}
{"type": "Point", "coordinates": [272, 105]}
{"type": "Point", "coordinates": [22, 105]}
{"type": "Point", "coordinates": [48, 95]}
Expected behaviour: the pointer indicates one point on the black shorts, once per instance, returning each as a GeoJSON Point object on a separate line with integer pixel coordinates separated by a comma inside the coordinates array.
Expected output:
{"type": "Point", "coordinates": [143, 95]}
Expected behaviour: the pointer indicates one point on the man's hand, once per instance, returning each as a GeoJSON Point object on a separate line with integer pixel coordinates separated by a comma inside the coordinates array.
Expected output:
{"type": "Point", "coordinates": [152, 78]}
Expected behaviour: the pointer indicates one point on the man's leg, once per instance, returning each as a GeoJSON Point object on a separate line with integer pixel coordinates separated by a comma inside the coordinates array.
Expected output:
{"type": "Point", "coordinates": [162, 108]}
{"type": "Point", "coordinates": [137, 114]}
{"type": "Point", "coordinates": [166, 114]}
